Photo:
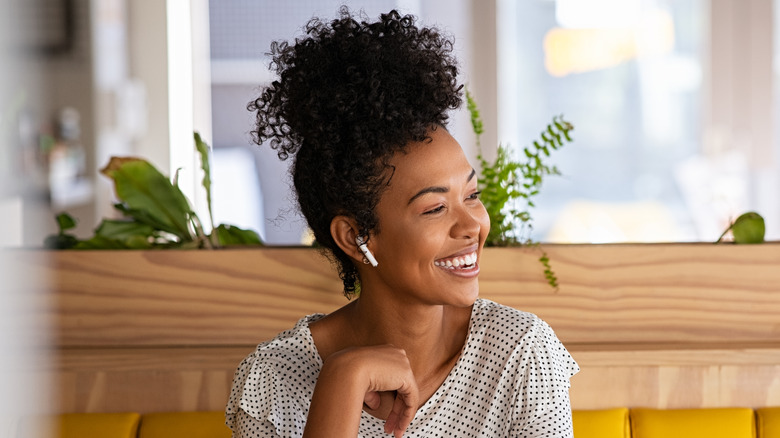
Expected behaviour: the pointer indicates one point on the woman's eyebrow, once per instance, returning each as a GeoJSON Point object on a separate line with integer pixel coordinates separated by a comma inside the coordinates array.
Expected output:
{"type": "Point", "coordinates": [438, 189]}
{"type": "Point", "coordinates": [432, 189]}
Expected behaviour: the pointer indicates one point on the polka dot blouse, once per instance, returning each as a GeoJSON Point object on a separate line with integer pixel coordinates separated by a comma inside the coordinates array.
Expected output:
{"type": "Point", "coordinates": [511, 380]}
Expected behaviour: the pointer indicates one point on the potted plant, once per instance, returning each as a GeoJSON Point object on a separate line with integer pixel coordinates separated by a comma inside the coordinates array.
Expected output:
{"type": "Point", "coordinates": [155, 213]}
{"type": "Point", "coordinates": [509, 186]}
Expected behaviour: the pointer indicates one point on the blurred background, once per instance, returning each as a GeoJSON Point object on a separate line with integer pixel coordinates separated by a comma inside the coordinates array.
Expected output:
{"type": "Point", "coordinates": [673, 102]}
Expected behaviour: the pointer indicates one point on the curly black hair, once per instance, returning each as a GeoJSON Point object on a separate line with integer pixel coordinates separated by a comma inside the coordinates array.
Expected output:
{"type": "Point", "coordinates": [349, 96]}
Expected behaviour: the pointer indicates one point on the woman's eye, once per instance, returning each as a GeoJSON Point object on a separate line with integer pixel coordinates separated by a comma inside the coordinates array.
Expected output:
{"type": "Point", "coordinates": [435, 210]}
{"type": "Point", "coordinates": [475, 195]}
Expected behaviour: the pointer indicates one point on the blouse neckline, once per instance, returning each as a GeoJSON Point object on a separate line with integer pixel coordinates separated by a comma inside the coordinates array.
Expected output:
{"type": "Point", "coordinates": [439, 391]}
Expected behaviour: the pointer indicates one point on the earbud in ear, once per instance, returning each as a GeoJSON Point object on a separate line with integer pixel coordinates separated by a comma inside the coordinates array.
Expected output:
{"type": "Point", "coordinates": [369, 258]}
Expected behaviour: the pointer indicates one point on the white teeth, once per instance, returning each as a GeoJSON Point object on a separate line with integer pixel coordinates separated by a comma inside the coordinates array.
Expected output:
{"type": "Point", "coordinates": [456, 262]}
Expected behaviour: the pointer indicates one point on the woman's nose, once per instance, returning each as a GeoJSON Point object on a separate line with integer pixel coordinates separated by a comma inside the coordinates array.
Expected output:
{"type": "Point", "coordinates": [467, 223]}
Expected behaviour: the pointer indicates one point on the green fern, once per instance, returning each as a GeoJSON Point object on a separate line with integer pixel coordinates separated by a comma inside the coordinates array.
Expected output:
{"type": "Point", "coordinates": [510, 186]}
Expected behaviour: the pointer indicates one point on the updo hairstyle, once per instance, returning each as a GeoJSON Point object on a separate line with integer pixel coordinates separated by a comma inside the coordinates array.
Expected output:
{"type": "Point", "coordinates": [350, 95]}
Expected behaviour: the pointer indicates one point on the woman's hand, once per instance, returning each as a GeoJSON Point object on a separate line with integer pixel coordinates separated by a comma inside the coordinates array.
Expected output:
{"type": "Point", "coordinates": [387, 369]}
{"type": "Point", "coordinates": [353, 377]}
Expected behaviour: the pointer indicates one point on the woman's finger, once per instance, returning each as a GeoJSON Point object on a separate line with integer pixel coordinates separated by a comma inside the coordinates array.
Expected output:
{"type": "Point", "coordinates": [372, 400]}
{"type": "Point", "coordinates": [404, 408]}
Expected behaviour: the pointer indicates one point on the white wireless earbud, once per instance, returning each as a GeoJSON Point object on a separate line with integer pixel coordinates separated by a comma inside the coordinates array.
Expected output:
{"type": "Point", "coordinates": [369, 258]}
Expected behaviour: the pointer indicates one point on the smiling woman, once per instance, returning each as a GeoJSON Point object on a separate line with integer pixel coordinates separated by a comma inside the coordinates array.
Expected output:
{"type": "Point", "coordinates": [391, 198]}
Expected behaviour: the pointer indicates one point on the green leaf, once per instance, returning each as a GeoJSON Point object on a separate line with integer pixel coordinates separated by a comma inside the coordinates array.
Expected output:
{"type": "Point", "coordinates": [476, 120]}
{"type": "Point", "coordinates": [65, 222]}
{"type": "Point", "coordinates": [122, 229]}
{"type": "Point", "coordinates": [749, 228]}
{"type": "Point", "coordinates": [60, 241]}
{"type": "Point", "coordinates": [143, 217]}
{"type": "Point", "coordinates": [203, 149]}
{"type": "Point", "coordinates": [138, 241]}
{"type": "Point", "coordinates": [142, 187]}
{"type": "Point", "coordinates": [229, 235]}
{"type": "Point", "coordinates": [101, 242]}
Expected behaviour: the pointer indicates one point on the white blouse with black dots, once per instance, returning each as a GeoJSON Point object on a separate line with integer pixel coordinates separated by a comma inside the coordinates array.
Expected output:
{"type": "Point", "coordinates": [511, 380]}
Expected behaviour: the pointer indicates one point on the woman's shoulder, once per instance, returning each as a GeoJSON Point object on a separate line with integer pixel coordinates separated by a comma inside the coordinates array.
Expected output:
{"type": "Point", "coordinates": [504, 332]}
{"type": "Point", "coordinates": [294, 343]}
{"type": "Point", "coordinates": [290, 346]}
{"type": "Point", "coordinates": [489, 317]}
{"type": "Point", "coordinates": [276, 380]}
{"type": "Point", "coordinates": [290, 352]}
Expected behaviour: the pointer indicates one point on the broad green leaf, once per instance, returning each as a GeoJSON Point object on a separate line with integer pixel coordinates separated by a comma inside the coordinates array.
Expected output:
{"type": "Point", "coordinates": [60, 241]}
{"type": "Point", "coordinates": [203, 150]}
{"type": "Point", "coordinates": [142, 187]}
{"type": "Point", "coordinates": [143, 217]}
{"type": "Point", "coordinates": [123, 230]}
{"type": "Point", "coordinates": [749, 228]}
{"type": "Point", "coordinates": [100, 242]}
{"type": "Point", "coordinates": [230, 235]}
{"type": "Point", "coordinates": [138, 241]}
{"type": "Point", "coordinates": [65, 222]}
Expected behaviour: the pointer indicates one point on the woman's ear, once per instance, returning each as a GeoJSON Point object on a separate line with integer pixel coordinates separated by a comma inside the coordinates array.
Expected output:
{"type": "Point", "coordinates": [344, 231]}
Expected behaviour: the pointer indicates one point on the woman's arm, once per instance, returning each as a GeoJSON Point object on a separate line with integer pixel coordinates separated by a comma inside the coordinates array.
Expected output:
{"type": "Point", "coordinates": [351, 377]}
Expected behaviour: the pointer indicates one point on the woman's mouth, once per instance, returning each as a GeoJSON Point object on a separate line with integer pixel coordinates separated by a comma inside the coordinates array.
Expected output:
{"type": "Point", "coordinates": [462, 262]}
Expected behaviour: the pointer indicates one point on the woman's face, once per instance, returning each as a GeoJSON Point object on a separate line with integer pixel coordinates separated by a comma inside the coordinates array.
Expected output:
{"type": "Point", "coordinates": [432, 225]}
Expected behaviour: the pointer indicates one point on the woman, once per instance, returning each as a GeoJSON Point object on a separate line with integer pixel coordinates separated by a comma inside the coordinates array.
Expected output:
{"type": "Point", "coordinates": [390, 195]}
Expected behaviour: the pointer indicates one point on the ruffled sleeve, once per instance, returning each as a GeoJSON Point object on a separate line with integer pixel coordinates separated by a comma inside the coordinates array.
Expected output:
{"type": "Point", "coordinates": [542, 407]}
{"type": "Point", "coordinates": [272, 387]}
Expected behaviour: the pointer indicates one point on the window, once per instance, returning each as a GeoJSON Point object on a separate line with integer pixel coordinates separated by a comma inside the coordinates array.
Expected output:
{"type": "Point", "coordinates": [645, 83]}
{"type": "Point", "coordinates": [670, 101]}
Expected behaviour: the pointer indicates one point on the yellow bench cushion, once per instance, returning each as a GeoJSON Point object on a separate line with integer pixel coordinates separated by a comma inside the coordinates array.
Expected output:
{"type": "Point", "coordinates": [693, 423]}
{"type": "Point", "coordinates": [184, 425]}
{"type": "Point", "coordinates": [768, 422]}
{"type": "Point", "coordinates": [605, 423]}
{"type": "Point", "coordinates": [98, 425]}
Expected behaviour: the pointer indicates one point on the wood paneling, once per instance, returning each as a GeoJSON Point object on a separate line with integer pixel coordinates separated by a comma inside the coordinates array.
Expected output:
{"type": "Point", "coordinates": [661, 325]}
{"type": "Point", "coordinates": [180, 379]}
{"type": "Point", "coordinates": [680, 378]}
{"type": "Point", "coordinates": [146, 379]}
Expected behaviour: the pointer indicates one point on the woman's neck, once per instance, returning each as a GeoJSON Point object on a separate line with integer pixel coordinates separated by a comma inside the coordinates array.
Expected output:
{"type": "Point", "coordinates": [432, 335]}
